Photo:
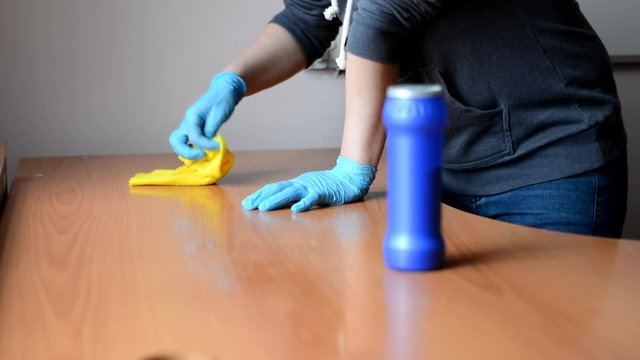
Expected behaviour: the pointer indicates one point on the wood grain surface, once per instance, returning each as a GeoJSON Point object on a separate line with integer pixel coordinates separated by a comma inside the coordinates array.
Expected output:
{"type": "Point", "coordinates": [93, 269]}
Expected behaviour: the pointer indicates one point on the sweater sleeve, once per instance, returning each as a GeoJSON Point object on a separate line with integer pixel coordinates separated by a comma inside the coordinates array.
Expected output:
{"type": "Point", "coordinates": [305, 21]}
{"type": "Point", "coordinates": [379, 28]}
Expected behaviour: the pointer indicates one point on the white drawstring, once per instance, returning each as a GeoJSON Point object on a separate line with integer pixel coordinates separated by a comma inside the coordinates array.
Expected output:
{"type": "Point", "coordinates": [330, 13]}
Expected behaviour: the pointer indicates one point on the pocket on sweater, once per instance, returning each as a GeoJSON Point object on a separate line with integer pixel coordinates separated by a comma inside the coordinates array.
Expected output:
{"type": "Point", "coordinates": [474, 138]}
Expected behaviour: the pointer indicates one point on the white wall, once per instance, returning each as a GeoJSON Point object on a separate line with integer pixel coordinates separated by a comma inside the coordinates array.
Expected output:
{"type": "Point", "coordinates": [616, 21]}
{"type": "Point", "coordinates": [115, 76]}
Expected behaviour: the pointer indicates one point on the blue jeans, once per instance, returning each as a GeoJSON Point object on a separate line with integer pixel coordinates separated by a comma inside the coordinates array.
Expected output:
{"type": "Point", "coordinates": [592, 203]}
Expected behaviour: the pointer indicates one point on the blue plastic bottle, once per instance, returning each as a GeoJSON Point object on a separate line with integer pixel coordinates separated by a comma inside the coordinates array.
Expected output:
{"type": "Point", "coordinates": [414, 117]}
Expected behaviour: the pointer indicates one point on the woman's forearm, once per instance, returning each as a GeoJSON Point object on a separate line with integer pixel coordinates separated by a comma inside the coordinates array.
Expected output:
{"type": "Point", "coordinates": [275, 56]}
{"type": "Point", "coordinates": [272, 58]}
{"type": "Point", "coordinates": [363, 136]}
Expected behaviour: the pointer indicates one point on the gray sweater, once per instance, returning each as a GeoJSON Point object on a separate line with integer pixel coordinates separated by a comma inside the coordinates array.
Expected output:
{"type": "Point", "coordinates": [529, 85]}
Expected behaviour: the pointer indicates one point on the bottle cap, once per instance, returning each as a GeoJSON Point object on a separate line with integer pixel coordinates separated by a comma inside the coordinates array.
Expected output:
{"type": "Point", "coordinates": [414, 91]}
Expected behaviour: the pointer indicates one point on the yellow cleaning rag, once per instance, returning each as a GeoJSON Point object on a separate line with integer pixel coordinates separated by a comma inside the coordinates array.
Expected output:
{"type": "Point", "coordinates": [206, 171]}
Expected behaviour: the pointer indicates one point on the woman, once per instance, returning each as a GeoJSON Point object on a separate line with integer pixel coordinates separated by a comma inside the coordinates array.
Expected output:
{"type": "Point", "coordinates": [534, 136]}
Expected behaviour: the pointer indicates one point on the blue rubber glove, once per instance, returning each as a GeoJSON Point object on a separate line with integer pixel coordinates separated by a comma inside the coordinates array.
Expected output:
{"type": "Point", "coordinates": [348, 181]}
{"type": "Point", "coordinates": [203, 119]}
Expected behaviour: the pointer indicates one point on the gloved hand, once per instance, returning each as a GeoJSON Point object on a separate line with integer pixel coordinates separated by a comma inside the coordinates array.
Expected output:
{"type": "Point", "coordinates": [203, 119]}
{"type": "Point", "coordinates": [348, 181]}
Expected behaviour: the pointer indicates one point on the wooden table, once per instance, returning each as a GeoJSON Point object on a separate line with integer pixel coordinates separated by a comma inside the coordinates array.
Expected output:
{"type": "Point", "coordinates": [93, 269]}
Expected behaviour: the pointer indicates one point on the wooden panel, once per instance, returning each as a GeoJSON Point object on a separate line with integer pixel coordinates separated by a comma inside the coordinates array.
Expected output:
{"type": "Point", "coordinates": [3, 174]}
{"type": "Point", "coordinates": [91, 269]}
